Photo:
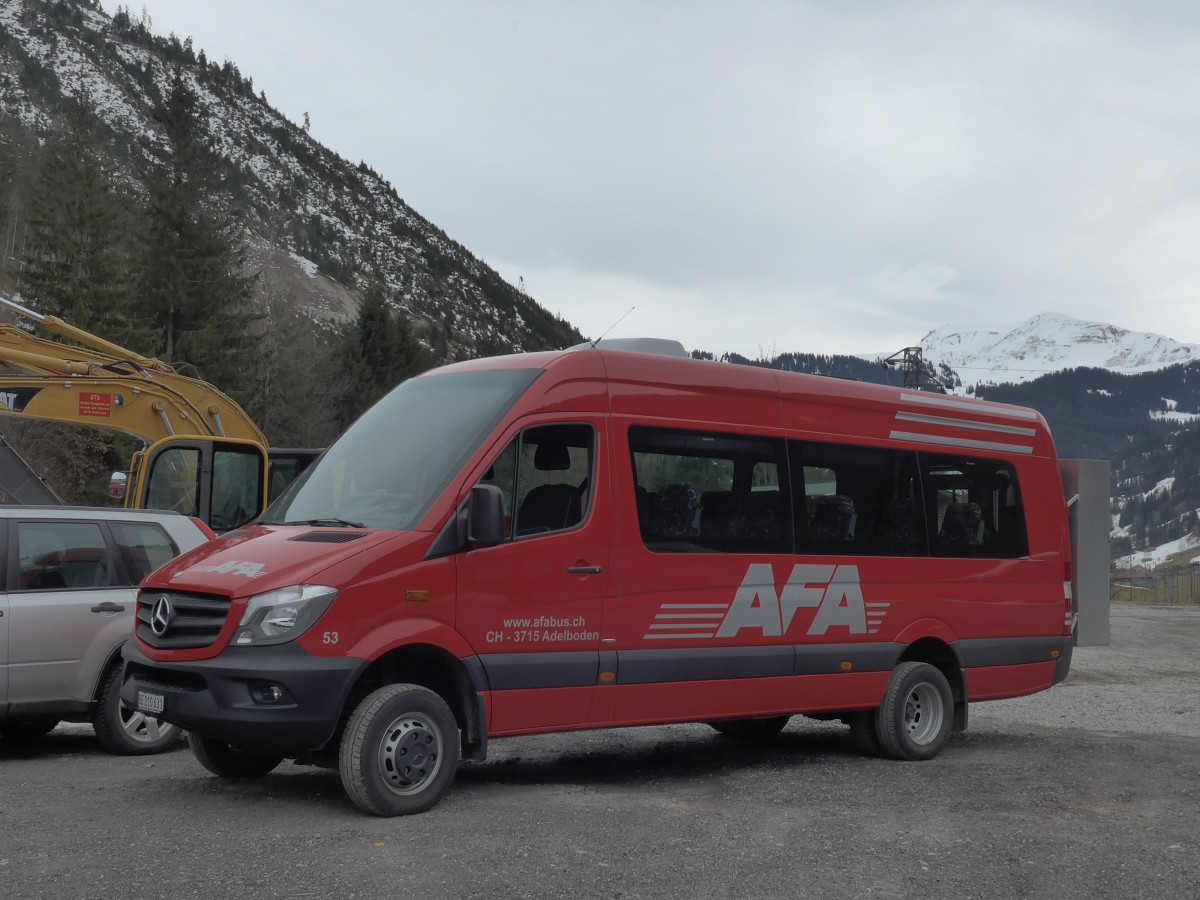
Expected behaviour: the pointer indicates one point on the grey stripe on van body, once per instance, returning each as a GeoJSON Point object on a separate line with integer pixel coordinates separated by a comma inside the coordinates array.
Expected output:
{"type": "Point", "coordinates": [718, 663]}
{"type": "Point", "coordinates": [958, 442]}
{"type": "Point", "coordinates": [525, 671]}
{"type": "Point", "coordinates": [517, 671]}
{"type": "Point", "coordinates": [983, 652]}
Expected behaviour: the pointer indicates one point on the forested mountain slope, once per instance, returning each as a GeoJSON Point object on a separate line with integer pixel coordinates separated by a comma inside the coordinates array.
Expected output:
{"type": "Point", "coordinates": [149, 195]}
{"type": "Point", "coordinates": [304, 210]}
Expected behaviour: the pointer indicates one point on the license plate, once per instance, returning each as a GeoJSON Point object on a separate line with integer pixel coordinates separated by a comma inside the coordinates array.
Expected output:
{"type": "Point", "coordinates": [151, 703]}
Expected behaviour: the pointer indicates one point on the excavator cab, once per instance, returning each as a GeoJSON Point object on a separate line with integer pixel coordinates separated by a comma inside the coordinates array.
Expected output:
{"type": "Point", "coordinates": [219, 481]}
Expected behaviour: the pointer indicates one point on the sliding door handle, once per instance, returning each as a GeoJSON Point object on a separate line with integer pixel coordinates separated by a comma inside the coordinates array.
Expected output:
{"type": "Point", "coordinates": [584, 570]}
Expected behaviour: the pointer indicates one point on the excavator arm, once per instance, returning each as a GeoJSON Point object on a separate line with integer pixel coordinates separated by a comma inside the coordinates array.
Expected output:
{"type": "Point", "coordinates": [101, 363]}
{"type": "Point", "coordinates": [205, 457]}
{"type": "Point", "coordinates": [143, 409]}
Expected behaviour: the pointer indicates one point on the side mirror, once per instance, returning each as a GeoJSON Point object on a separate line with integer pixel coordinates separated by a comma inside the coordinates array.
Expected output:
{"type": "Point", "coordinates": [485, 516]}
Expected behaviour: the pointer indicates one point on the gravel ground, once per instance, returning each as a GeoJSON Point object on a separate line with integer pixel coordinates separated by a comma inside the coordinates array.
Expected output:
{"type": "Point", "coordinates": [1146, 681]}
{"type": "Point", "coordinates": [1089, 790]}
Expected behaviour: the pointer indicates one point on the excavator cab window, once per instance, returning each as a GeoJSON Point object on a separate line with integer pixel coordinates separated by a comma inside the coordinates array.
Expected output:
{"type": "Point", "coordinates": [175, 481]}
{"type": "Point", "coordinates": [236, 488]}
{"type": "Point", "coordinates": [221, 483]}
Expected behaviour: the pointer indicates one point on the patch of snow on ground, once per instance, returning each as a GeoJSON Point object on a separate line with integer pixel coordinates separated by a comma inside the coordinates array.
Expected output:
{"type": "Point", "coordinates": [309, 267]}
{"type": "Point", "coordinates": [1161, 416]}
{"type": "Point", "coordinates": [1156, 556]}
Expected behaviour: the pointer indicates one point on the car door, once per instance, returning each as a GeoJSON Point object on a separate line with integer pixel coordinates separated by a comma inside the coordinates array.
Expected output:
{"type": "Point", "coordinates": [532, 605]}
{"type": "Point", "coordinates": [65, 611]}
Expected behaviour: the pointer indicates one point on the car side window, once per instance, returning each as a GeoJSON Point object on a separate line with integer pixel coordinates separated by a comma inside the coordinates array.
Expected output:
{"type": "Point", "coordinates": [544, 476]}
{"type": "Point", "coordinates": [143, 546]}
{"type": "Point", "coordinates": [61, 555]}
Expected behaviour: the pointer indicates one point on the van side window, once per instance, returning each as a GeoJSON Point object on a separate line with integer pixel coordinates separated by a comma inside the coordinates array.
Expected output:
{"type": "Point", "coordinates": [975, 507]}
{"type": "Point", "coordinates": [710, 492]}
{"type": "Point", "coordinates": [545, 477]}
{"type": "Point", "coordinates": [143, 546]}
{"type": "Point", "coordinates": [60, 555]}
{"type": "Point", "coordinates": [861, 501]}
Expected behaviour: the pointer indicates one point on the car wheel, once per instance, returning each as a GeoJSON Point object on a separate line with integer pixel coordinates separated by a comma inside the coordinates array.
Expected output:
{"type": "Point", "coordinates": [399, 751]}
{"type": "Point", "coordinates": [228, 761]}
{"type": "Point", "coordinates": [916, 715]}
{"type": "Point", "coordinates": [127, 731]}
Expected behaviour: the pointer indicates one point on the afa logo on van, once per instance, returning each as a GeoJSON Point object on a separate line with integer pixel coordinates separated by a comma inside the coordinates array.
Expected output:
{"type": "Point", "coordinates": [833, 591]}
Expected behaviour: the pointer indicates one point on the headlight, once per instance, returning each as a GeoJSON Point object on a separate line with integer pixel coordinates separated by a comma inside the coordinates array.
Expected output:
{"type": "Point", "coordinates": [283, 615]}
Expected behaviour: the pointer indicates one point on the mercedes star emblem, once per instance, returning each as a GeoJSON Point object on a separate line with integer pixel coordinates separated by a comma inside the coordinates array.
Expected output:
{"type": "Point", "coordinates": [160, 617]}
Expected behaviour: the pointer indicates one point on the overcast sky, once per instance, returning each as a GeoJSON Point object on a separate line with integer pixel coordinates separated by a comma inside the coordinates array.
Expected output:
{"type": "Point", "coordinates": [767, 176]}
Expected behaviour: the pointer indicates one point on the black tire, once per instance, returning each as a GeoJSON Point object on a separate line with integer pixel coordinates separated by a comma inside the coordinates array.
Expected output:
{"type": "Point", "coordinates": [752, 729]}
{"type": "Point", "coordinates": [864, 732]}
{"type": "Point", "coordinates": [399, 751]}
{"type": "Point", "coordinates": [227, 761]}
{"type": "Point", "coordinates": [25, 731]}
{"type": "Point", "coordinates": [127, 731]}
{"type": "Point", "coordinates": [917, 713]}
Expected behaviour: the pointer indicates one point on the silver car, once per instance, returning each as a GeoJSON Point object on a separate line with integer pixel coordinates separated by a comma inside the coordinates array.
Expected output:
{"type": "Point", "coordinates": [70, 577]}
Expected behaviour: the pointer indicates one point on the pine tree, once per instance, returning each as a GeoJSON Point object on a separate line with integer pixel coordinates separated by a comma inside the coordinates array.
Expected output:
{"type": "Point", "coordinates": [77, 265]}
{"type": "Point", "coordinates": [295, 391]}
{"type": "Point", "coordinates": [378, 352]}
{"type": "Point", "coordinates": [195, 288]}
{"type": "Point", "coordinates": [78, 248]}
{"type": "Point", "coordinates": [17, 158]}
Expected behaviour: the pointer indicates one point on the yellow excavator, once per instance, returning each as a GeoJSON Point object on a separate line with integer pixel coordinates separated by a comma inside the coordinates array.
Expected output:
{"type": "Point", "coordinates": [201, 454]}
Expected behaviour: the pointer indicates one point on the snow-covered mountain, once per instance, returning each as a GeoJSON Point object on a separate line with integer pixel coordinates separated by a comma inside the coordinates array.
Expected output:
{"type": "Point", "coordinates": [1049, 342]}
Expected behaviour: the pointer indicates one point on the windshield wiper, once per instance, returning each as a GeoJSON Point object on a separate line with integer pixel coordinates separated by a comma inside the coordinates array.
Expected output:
{"type": "Point", "coordinates": [327, 523]}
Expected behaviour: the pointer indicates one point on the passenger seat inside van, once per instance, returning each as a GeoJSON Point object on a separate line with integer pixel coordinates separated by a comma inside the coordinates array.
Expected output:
{"type": "Point", "coordinates": [833, 518]}
{"type": "Point", "coordinates": [962, 525]}
{"type": "Point", "coordinates": [673, 513]}
{"type": "Point", "coordinates": [550, 507]}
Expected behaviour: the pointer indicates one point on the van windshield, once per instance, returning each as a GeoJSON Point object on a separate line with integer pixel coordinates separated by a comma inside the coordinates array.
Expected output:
{"type": "Point", "coordinates": [398, 457]}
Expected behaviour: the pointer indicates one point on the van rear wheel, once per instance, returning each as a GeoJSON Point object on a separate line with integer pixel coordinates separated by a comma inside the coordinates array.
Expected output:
{"type": "Point", "coordinates": [917, 713]}
{"type": "Point", "coordinates": [864, 733]}
{"type": "Point", "coordinates": [399, 751]}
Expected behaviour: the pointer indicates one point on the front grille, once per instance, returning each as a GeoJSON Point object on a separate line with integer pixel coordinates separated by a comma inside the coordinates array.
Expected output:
{"type": "Point", "coordinates": [194, 620]}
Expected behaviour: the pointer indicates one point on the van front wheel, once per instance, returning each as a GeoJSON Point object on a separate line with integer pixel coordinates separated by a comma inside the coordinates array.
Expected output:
{"type": "Point", "coordinates": [917, 713]}
{"type": "Point", "coordinates": [399, 751]}
{"type": "Point", "coordinates": [226, 761]}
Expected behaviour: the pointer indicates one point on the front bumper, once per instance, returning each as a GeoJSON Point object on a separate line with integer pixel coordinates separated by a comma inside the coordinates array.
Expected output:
{"type": "Point", "coordinates": [226, 698]}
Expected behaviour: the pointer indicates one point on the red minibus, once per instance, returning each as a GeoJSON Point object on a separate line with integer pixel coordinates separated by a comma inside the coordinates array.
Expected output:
{"type": "Point", "coordinates": [605, 537]}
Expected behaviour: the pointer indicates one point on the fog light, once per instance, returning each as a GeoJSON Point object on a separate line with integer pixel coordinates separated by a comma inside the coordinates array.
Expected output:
{"type": "Point", "coordinates": [267, 693]}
